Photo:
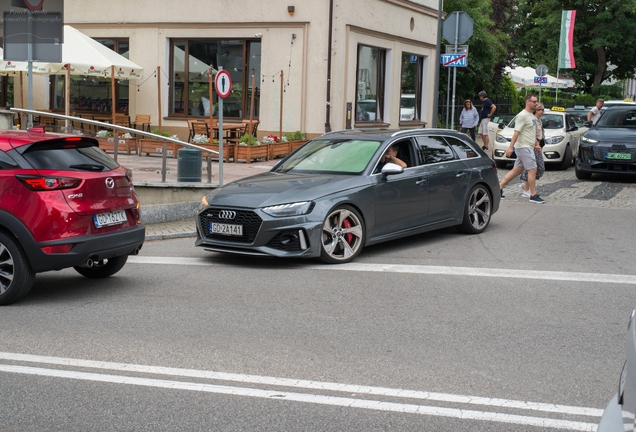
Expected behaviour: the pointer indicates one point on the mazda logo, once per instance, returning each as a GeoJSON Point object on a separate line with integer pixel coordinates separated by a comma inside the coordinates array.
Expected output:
{"type": "Point", "coordinates": [227, 214]}
{"type": "Point", "coordinates": [110, 183]}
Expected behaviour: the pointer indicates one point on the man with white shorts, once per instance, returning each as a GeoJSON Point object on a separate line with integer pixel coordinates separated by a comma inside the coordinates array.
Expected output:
{"type": "Point", "coordinates": [523, 142]}
{"type": "Point", "coordinates": [487, 110]}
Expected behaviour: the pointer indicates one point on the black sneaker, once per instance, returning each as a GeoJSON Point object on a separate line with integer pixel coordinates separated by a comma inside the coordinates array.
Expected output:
{"type": "Point", "coordinates": [536, 199]}
{"type": "Point", "coordinates": [502, 195]}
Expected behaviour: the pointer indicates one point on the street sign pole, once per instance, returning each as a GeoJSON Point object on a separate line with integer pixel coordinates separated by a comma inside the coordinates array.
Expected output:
{"type": "Point", "coordinates": [454, 75]}
{"type": "Point", "coordinates": [220, 135]}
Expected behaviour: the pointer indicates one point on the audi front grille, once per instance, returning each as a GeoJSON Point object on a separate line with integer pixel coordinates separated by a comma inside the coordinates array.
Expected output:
{"type": "Point", "coordinates": [250, 221]}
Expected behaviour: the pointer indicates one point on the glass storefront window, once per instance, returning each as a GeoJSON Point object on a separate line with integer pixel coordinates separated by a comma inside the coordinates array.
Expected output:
{"type": "Point", "coordinates": [93, 94]}
{"type": "Point", "coordinates": [370, 84]}
{"type": "Point", "coordinates": [189, 80]}
{"type": "Point", "coordinates": [411, 87]}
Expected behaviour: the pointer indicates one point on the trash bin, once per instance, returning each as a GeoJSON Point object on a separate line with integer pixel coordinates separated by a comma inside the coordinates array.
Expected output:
{"type": "Point", "coordinates": [188, 165]}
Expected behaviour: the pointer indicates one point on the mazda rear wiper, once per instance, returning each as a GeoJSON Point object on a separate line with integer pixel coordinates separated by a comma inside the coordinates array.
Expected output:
{"type": "Point", "coordinates": [88, 167]}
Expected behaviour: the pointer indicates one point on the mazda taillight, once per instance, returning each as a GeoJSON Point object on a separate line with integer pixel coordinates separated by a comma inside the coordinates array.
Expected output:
{"type": "Point", "coordinates": [48, 183]}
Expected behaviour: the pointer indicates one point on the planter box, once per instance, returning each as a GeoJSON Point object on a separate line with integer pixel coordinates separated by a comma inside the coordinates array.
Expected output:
{"type": "Point", "coordinates": [296, 144]}
{"type": "Point", "coordinates": [228, 150]}
{"type": "Point", "coordinates": [279, 149]}
{"type": "Point", "coordinates": [125, 145]}
{"type": "Point", "coordinates": [155, 147]}
{"type": "Point", "coordinates": [248, 153]}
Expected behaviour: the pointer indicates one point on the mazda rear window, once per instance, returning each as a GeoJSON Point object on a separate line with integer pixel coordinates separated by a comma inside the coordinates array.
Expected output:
{"type": "Point", "coordinates": [81, 155]}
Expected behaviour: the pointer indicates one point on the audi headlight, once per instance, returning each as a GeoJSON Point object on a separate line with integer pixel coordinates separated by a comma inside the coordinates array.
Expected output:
{"type": "Point", "coordinates": [587, 140]}
{"type": "Point", "coordinates": [500, 139]}
{"type": "Point", "coordinates": [555, 139]}
{"type": "Point", "coordinates": [292, 209]}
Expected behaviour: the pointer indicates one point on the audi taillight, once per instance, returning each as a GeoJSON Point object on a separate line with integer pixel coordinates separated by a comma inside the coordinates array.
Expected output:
{"type": "Point", "coordinates": [48, 183]}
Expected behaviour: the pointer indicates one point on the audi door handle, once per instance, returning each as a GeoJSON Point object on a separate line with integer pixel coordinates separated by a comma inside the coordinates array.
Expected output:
{"type": "Point", "coordinates": [460, 174]}
{"type": "Point", "coordinates": [421, 182]}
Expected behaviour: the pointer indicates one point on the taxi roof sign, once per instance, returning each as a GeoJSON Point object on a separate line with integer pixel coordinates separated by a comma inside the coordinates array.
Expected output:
{"type": "Point", "coordinates": [628, 100]}
{"type": "Point", "coordinates": [556, 108]}
{"type": "Point", "coordinates": [579, 106]}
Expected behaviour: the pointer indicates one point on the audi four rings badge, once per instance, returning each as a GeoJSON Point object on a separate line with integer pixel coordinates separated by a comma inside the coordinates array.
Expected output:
{"type": "Point", "coordinates": [110, 183]}
{"type": "Point", "coordinates": [227, 214]}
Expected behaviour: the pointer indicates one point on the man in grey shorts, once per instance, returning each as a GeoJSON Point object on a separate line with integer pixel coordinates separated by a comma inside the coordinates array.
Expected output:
{"type": "Point", "coordinates": [523, 141]}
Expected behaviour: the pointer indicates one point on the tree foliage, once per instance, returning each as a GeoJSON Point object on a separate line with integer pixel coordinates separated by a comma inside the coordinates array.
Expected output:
{"type": "Point", "coordinates": [486, 49]}
{"type": "Point", "coordinates": [603, 35]}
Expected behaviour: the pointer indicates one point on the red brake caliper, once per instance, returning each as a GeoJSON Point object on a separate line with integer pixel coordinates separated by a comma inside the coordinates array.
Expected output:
{"type": "Point", "coordinates": [348, 236]}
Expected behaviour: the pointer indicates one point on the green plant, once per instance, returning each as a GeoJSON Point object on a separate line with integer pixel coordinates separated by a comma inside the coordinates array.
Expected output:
{"type": "Point", "coordinates": [248, 139]}
{"type": "Point", "coordinates": [294, 136]}
{"type": "Point", "coordinates": [163, 133]}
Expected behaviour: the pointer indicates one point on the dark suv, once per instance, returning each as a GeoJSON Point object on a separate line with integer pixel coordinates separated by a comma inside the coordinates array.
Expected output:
{"type": "Point", "coordinates": [64, 203]}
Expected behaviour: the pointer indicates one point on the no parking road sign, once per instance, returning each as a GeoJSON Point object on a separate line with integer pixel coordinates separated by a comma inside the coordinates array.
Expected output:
{"type": "Point", "coordinates": [456, 60]}
{"type": "Point", "coordinates": [541, 80]}
{"type": "Point", "coordinates": [223, 83]}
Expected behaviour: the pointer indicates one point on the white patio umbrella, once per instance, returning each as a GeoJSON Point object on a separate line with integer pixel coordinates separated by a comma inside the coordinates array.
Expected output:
{"type": "Point", "coordinates": [524, 77]}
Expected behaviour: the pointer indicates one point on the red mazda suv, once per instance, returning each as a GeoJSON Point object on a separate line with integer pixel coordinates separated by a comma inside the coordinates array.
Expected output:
{"type": "Point", "coordinates": [64, 203]}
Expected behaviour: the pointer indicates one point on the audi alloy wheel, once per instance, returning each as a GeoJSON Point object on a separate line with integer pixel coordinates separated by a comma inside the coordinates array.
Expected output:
{"type": "Point", "coordinates": [342, 235]}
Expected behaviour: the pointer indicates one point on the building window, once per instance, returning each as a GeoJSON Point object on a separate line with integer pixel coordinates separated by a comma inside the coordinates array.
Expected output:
{"type": "Point", "coordinates": [370, 88]}
{"type": "Point", "coordinates": [411, 87]}
{"type": "Point", "coordinates": [190, 61]}
{"type": "Point", "coordinates": [6, 91]}
{"type": "Point", "coordinates": [93, 93]}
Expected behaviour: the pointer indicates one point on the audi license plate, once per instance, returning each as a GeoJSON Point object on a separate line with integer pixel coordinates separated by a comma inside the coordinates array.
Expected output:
{"type": "Point", "coordinates": [226, 229]}
{"type": "Point", "coordinates": [112, 218]}
{"type": "Point", "coordinates": [619, 156]}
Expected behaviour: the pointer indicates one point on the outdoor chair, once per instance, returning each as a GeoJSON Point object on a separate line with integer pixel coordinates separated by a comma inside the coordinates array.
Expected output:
{"type": "Point", "coordinates": [142, 122]}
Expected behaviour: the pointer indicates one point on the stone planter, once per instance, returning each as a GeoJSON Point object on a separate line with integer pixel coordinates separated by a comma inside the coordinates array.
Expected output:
{"type": "Point", "coordinates": [249, 153]}
{"type": "Point", "coordinates": [126, 145]}
{"type": "Point", "coordinates": [155, 147]}
{"type": "Point", "coordinates": [279, 149]}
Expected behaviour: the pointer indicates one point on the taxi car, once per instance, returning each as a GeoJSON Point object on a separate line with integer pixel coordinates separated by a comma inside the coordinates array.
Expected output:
{"type": "Point", "coordinates": [579, 114]}
{"type": "Point", "coordinates": [610, 145]}
{"type": "Point", "coordinates": [562, 136]}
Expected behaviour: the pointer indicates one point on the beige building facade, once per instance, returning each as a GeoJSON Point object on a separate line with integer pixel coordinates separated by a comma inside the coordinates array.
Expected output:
{"type": "Point", "coordinates": [381, 73]}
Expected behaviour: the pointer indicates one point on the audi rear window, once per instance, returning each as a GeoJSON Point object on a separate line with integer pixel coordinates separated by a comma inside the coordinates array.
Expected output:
{"type": "Point", "coordinates": [64, 154]}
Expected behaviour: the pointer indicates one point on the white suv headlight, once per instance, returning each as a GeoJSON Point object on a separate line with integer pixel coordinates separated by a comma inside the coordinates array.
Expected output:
{"type": "Point", "coordinates": [292, 209]}
{"type": "Point", "coordinates": [500, 139]}
{"type": "Point", "coordinates": [555, 139]}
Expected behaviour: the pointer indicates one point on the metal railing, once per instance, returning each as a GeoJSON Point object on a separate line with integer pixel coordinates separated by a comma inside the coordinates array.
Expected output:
{"type": "Point", "coordinates": [116, 128]}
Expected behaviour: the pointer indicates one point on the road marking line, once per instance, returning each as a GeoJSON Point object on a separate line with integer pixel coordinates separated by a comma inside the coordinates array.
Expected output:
{"type": "Point", "coordinates": [307, 398]}
{"type": "Point", "coordinates": [288, 382]}
{"type": "Point", "coordinates": [415, 269]}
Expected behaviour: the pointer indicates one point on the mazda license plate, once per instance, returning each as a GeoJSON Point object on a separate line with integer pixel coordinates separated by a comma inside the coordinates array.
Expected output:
{"type": "Point", "coordinates": [618, 156]}
{"type": "Point", "coordinates": [226, 229]}
{"type": "Point", "coordinates": [107, 219]}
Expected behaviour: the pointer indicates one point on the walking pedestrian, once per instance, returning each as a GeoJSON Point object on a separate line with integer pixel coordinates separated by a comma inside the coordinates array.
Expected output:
{"type": "Point", "coordinates": [595, 112]}
{"type": "Point", "coordinates": [524, 139]}
{"type": "Point", "coordinates": [469, 118]}
{"type": "Point", "coordinates": [538, 152]}
{"type": "Point", "coordinates": [487, 110]}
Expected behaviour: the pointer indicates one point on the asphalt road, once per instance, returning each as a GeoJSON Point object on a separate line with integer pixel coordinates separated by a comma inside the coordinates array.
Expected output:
{"type": "Point", "coordinates": [520, 328]}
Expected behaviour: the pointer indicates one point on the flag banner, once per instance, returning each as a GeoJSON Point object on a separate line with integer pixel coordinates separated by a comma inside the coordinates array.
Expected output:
{"type": "Point", "coordinates": [566, 45]}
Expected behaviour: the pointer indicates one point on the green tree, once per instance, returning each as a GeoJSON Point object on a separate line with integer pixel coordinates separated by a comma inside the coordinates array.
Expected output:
{"type": "Point", "coordinates": [603, 35]}
{"type": "Point", "coordinates": [486, 49]}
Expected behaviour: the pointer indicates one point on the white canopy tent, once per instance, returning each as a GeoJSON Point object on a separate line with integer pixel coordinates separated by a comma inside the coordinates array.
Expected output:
{"type": "Point", "coordinates": [523, 77]}
{"type": "Point", "coordinates": [81, 55]}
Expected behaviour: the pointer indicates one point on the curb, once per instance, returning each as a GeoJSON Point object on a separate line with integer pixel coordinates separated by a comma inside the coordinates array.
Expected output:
{"type": "Point", "coordinates": [185, 234]}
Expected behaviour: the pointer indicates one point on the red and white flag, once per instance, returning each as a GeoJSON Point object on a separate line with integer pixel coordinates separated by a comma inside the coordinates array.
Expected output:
{"type": "Point", "coordinates": [566, 46]}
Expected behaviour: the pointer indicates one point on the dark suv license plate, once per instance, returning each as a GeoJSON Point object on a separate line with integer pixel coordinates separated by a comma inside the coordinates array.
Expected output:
{"type": "Point", "coordinates": [618, 156]}
{"type": "Point", "coordinates": [226, 229]}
